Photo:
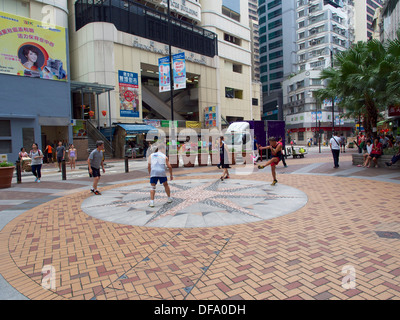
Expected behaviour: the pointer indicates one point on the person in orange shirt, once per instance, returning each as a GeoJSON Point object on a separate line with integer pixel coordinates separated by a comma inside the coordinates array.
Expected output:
{"type": "Point", "coordinates": [49, 151]}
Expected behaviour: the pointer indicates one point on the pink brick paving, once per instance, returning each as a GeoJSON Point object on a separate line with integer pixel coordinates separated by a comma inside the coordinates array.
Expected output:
{"type": "Point", "coordinates": [296, 256]}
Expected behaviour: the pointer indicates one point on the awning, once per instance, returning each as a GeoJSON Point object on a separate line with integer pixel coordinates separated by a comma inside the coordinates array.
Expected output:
{"type": "Point", "coordinates": [137, 128]}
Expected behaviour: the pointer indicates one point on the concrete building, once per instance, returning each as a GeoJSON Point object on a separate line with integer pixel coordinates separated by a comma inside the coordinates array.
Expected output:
{"type": "Point", "coordinates": [109, 37]}
{"type": "Point", "coordinates": [322, 31]}
{"type": "Point", "coordinates": [362, 18]}
{"type": "Point", "coordinates": [36, 96]}
{"type": "Point", "coordinates": [389, 20]}
{"type": "Point", "coordinates": [277, 32]}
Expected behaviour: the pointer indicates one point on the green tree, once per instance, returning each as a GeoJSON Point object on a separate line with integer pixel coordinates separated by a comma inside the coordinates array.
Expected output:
{"type": "Point", "coordinates": [359, 79]}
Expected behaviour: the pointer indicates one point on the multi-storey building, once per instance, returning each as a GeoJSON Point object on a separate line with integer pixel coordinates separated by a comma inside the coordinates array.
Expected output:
{"type": "Point", "coordinates": [389, 20]}
{"type": "Point", "coordinates": [362, 18]}
{"type": "Point", "coordinates": [322, 31]}
{"type": "Point", "coordinates": [277, 30]}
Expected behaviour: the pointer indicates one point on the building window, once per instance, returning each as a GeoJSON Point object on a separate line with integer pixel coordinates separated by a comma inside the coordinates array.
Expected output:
{"type": "Point", "coordinates": [5, 128]}
{"type": "Point", "coordinates": [5, 146]}
{"type": "Point", "coordinates": [230, 13]}
{"type": "Point", "coordinates": [232, 39]}
{"type": "Point", "coordinates": [237, 68]}
{"type": "Point", "coordinates": [233, 93]}
{"type": "Point", "coordinates": [254, 102]}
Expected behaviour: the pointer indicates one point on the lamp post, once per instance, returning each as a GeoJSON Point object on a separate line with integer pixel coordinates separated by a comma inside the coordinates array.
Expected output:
{"type": "Point", "coordinates": [171, 74]}
{"type": "Point", "coordinates": [333, 98]}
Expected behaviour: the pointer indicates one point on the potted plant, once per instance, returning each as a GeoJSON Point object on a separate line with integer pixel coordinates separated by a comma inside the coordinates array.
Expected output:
{"type": "Point", "coordinates": [6, 174]}
{"type": "Point", "coordinates": [203, 156]}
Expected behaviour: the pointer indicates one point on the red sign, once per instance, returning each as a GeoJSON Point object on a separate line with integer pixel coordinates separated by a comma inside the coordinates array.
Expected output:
{"type": "Point", "coordinates": [394, 111]}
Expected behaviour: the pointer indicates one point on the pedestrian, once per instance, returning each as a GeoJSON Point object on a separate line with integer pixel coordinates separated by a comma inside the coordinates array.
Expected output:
{"type": "Point", "coordinates": [366, 154]}
{"type": "Point", "coordinates": [334, 144]}
{"type": "Point", "coordinates": [60, 154]}
{"type": "Point", "coordinates": [276, 152]}
{"type": "Point", "coordinates": [255, 150]}
{"type": "Point", "coordinates": [145, 147]}
{"type": "Point", "coordinates": [223, 158]}
{"type": "Point", "coordinates": [72, 154]}
{"type": "Point", "coordinates": [283, 152]}
{"type": "Point", "coordinates": [22, 154]}
{"type": "Point", "coordinates": [156, 165]}
{"type": "Point", "coordinates": [95, 161]}
{"type": "Point", "coordinates": [37, 160]}
{"type": "Point", "coordinates": [342, 143]}
{"type": "Point", "coordinates": [49, 152]}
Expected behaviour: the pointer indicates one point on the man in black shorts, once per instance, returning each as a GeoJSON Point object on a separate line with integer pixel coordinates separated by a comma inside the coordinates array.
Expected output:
{"type": "Point", "coordinates": [60, 154]}
{"type": "Point", "coordinates": [95, 161]}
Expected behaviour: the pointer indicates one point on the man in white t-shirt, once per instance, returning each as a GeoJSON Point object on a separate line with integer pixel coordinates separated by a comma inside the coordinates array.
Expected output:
{"type": "Point", "coordinates": [334, 144]}
{"type": "Point", "coordinates": [156, 164]}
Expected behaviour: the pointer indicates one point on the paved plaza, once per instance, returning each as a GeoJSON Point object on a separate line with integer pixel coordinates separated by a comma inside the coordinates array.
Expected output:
{"type": "Point", "coordinates": [319, 234]}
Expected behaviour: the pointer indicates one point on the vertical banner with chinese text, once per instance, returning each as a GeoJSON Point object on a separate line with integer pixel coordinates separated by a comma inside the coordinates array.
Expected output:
{"type": "Point", "coordinates": [128, 94]}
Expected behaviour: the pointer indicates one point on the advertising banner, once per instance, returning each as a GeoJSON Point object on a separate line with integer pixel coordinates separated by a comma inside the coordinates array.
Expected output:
{"type": "Point", "coordinates": [164, 74]}
{"type": "Point", "coordinates": [179, 71]}
{"type": "Point", "coordinates": [210, 117]}
{"type": "Point", "coordinates": [31, 48]}
{"type": "Point", "coordinates": [128, 94]}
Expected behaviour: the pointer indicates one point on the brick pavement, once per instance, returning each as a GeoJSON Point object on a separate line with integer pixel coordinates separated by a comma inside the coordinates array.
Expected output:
{"type": "Point", "coordinates": [296, 256]}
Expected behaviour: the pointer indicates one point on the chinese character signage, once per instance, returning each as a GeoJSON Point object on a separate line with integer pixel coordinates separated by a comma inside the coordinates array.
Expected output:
{"type": "Point", "coordinates": [128, 94]}
{"type": "Point", "coordinates": [179, 71]}
{"type": "Point", "coordinates": [164, 74]}
{"type": "Point", "coordinates": [31, 48]}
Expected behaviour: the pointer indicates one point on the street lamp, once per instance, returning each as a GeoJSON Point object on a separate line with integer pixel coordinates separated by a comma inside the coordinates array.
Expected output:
{"type": "Point", "coordinates": [333, 98]}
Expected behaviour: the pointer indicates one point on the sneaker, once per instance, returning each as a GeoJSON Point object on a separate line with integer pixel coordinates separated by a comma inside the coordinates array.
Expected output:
{"type": "Point", "coordinates": [151, 204]}
{"type": "Point", "coordinates": [274, 182]}
{"type": "Point", "coordinates": [169, 200]}
{"type": "Point", "coordinates": [91, 190]}
{"type": "Point", "coordinates": [38, 180]}
{"type": "Point", "coordinates": [388, 164]}
{"type": "Point", "coordinates": [285, 165]}
{"type": "Point", "coordinates": [261, 166]}
{"type": "Point", "coordinates": [222, 178]}
{"type": "Point", "coordinates": [97, 192]}
{"type": "Point", "coordinates": [227, 177]}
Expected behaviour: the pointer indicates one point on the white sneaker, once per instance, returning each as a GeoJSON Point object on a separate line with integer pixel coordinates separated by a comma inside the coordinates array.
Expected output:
{"type": "Point", "coordinates": [151, 204]}
{"type": "Point", "coordinates": [38, 180]}
{"type": "Point", "coordinates": [169, 200]}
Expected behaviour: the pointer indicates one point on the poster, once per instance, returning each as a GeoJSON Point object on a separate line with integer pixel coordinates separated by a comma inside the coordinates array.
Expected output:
{"type": "Point", "coordinates": [179, 71]}
{"type": "Point", "coordinates": [210, 117]}
{"type": "Point", "coordinates": [128, 94]}
{"type": "Point", "coordinates": [164, 74]}
{"type": "Point", "coordinates": [31, 48]}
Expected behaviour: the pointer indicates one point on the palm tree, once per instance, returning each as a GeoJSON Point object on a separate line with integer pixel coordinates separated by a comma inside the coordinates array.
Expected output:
{"type": "Point", "coordinates": [359, 81]}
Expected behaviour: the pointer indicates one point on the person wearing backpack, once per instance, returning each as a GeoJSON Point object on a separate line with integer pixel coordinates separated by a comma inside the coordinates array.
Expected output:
{"type": "Point", "coordinates": [334, 144]}
{"type": "Point", "coordinates": [37, 160]}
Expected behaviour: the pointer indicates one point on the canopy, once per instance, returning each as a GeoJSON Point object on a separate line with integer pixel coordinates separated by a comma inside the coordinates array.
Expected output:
{"type": "Point", "coordinates": [136, 128]}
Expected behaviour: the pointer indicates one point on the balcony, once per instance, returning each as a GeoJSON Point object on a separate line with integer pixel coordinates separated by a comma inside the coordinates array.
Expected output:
{"type": "Point", "coordinates": [133, 18]}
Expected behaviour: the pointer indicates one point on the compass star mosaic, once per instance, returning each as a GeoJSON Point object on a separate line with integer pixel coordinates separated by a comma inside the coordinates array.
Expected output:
{"type": "Point", "coordinates": [196, 203]}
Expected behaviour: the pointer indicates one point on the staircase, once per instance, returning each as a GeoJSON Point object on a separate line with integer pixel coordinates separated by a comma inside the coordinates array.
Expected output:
{"type": "Point", "coordinates": [93, 135]}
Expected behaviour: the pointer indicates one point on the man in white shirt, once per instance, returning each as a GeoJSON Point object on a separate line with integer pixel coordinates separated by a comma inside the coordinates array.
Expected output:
{"type": "Point", "coordinates": [156, 164]}
{"type": "Point", "coordinates": [334, 144]}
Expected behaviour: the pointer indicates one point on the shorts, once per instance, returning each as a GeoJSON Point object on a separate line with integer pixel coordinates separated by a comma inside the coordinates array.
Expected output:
{"type": "Point", "coordinates": [373, 155]}
{"type": "Point", "coordinates": [156, 179]}
{"type": "Point", "coordinates": [275, 163]}
{"type": "Point", "coordinates": [95, 173]}
{"type": "Point", "coordinates": [59, 159]}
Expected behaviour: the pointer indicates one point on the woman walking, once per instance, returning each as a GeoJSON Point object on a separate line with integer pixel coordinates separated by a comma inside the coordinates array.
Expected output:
{"type": "Point", "coordinates": [37, 160]}
{"type": "Point", "coordinates": [223, 158]}
{"type": "Point", "coordinates": [72, 154]}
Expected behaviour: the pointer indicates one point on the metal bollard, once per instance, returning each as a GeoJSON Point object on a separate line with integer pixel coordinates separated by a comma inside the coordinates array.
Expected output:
{"type": "Point", "coordinates": [18, 169]}
{"type": "Point", "coordinates": [63, 170]}
{"type": "Point", "coordinates": [126, 164]}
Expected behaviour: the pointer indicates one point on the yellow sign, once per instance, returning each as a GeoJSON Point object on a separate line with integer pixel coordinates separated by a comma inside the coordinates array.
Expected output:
{"type": "Point", "coordinates": [31, 48]}
{"type": "Point", "coordinates": [193, 124]}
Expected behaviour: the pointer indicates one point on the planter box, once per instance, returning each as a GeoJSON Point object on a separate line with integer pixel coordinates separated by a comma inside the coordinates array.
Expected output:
{"type": "Point", "coordinates": [202, 159]}
{"type": "Point", "coordinates": [6, 174]}
{"type": "Point", "coordinates": [358, 159]}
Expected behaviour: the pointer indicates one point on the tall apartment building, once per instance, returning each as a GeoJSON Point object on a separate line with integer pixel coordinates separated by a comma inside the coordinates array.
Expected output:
{"type": "Point", "coordinates": [277, 32]}
{"type": "Point", "coordinates": [389, 20]}
{"type": "Point", "coordinates": [255, 43]}
{"type": "Point", "coordinates": [322, 31]}
{"type": "Point", "coordinates": [361, 18]}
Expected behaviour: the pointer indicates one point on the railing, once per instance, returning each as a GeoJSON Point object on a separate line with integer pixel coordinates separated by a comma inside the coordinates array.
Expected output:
{"type": "Point", "coordinates": [136, 19]}
{"type": "Point", "coordinates": [97, 135]}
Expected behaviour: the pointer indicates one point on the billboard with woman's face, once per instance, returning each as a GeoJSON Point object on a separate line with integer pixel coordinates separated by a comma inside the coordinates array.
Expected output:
{"type": "Point", "coordinates": [30, 48]}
